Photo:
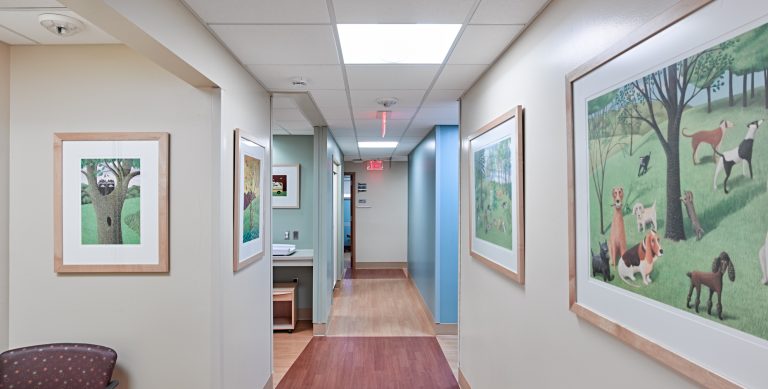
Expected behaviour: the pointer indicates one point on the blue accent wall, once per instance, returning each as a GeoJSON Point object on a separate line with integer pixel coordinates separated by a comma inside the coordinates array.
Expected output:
{"type": "Point", "coordinates": [433, 219]}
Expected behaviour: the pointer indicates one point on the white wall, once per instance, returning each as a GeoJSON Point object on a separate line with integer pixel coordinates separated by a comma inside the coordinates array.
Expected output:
{"type": "Point", "coordinates": [526, 336]}
{"type": "Point", "coordinates": [381, 232]}
{"type": "Point", "coordinates": [160, 325]}
{"type": "Point", "coordinates": [5, 95]}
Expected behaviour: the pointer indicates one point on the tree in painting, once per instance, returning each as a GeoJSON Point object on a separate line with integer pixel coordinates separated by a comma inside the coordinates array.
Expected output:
{"type": "Point", "coordinates": [493, 193]}
{"type": "Point", "coordinates": [110, 201]}
{"type": "Point", "coordinates": [251, 199]}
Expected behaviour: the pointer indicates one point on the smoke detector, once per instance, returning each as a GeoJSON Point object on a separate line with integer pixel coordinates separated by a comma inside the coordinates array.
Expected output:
{"type": "Point", "coordinates": [387, 101]}
{"type": "Point", "coordinates": [61, 25]}
{"type": "Point", "coordinates": [298, 82]}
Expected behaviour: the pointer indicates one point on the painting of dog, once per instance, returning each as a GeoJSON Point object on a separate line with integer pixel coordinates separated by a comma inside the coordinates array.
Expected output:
{"type": "Point", "coordinates": [601, 263]}
{"type": "Point", "coordinates": [618, 241]}
{"type": "Point", "coordinates": [645, 160]}
{"type": "Point", "coordinates": [640, 259]}
{"type": "Point", "coordinates": [645, 216]}
{"type": "Point", "coordinates": [713, 137]}
{"type": "Point", "coordinates": [742, 153]}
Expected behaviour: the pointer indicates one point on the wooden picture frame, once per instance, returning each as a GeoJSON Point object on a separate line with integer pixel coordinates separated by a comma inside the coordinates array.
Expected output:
{"type": "Point", "coordinates": [288, 178]}
{"type": "Point", "coordinates": [249, 175]}
{"type": "Point", "coordinates": [125, 171]}
{"type": "Point", "coordinates": [502, 218]}
{"type": "Point", "coordinates": [670, 333]}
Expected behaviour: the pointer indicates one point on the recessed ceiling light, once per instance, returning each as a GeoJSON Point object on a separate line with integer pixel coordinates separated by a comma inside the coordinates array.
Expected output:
{"type": "Point", "coordinates": [396, 43]}
{"type": "Point", "coordinates": [377, 145]}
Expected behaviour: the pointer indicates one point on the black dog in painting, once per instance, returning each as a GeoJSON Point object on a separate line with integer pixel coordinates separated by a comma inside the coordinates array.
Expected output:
{"type": "Point", "coordinates": [644, 161]}
{"type": "Point", "coordinates": [600, 263]}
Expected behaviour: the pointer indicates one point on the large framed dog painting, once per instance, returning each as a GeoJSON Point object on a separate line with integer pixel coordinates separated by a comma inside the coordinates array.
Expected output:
{"type": "Point", "coordinates": [496, 195]}
{"type": "Point", "coordinates": [250, 180]}
{"type": "Point", "coordinates": [669, 163]}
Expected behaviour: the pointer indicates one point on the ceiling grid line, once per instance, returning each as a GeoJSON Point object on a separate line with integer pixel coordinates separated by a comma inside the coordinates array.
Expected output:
{"type": "Point", "coordinates": [464, 25]}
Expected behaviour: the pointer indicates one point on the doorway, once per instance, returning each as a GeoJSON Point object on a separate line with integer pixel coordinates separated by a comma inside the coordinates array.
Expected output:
{"type": "Point", "coordinates": [349, 221]}
{"type": "Point", "coordinates": [336, 217]}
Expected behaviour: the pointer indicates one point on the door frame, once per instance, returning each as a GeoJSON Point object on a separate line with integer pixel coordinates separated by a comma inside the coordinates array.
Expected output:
{"type": "Point", "coordinates": [352, 207]}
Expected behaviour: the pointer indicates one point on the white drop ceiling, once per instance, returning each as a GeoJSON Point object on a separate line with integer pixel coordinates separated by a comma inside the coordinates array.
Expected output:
{"type": "Point", "coordinates": [19, 25]}
{"type": "Point", "coordinates": [278, 41]}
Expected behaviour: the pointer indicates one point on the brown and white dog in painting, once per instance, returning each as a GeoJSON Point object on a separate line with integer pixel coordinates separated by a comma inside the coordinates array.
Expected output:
{"type": "Point", "coordinates": [640, 259]}
{"type": "Point", "coordinates": [618, 241]}
{"type": "Point", "coordinates": [713, 137]}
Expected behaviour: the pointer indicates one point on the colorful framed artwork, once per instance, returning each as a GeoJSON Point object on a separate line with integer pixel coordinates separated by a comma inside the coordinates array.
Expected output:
{"type": "Point", "coordinates": [286, 186]}
{"type": "Point", "coordinates": [496, 195]}
{"type": "Point", "coordinates": [250, 173]}
{"type": "Point", "coordinates": [667, 231]}
{"type": "Point", "coordinates": [111, 202]}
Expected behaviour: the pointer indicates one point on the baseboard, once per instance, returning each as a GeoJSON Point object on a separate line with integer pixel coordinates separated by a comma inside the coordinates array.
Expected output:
{"type": "Point", "coordinates": [304, 314]}
{"type": "Point", "coordinates": [381, 265]}
{"type": "Point", "coordinates": [463, 383]}
{"type": "Point", "coordinates": [446, 329]}
{"type": "Point", "coordinates": [269, 384]}
{"type": "Point", "coordinates": [319, 329]}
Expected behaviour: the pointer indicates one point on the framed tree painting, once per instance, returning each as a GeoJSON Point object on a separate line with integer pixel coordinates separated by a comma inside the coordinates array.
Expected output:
{"type": "Point", "coordinates": [250, 179]}
{"type": "Point", "coordinates": [286, 182]}
{"type": "Point", "coordinates": [111, 202]}
{"type": "Point", "coordinates": [668, 190]}
{"type": "Point", "coordinates": [496, 195]}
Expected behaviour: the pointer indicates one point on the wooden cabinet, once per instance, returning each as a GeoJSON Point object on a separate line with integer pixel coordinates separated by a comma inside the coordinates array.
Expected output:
{"type": "Point", "coordinates": [284, 306]}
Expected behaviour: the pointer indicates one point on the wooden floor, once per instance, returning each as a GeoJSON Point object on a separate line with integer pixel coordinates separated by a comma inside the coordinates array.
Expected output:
{"type": "Point", "coordinates": [370, 362]}
{"type": "Point", "coordinates": [376, 315]}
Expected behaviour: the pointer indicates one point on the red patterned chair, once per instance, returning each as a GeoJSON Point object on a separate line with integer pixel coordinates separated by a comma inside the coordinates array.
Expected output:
{"type": "Point", "coordinates": [58, 366]}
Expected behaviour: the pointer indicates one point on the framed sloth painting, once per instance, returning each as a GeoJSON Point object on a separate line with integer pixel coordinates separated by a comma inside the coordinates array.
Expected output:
{"type": "Point", "coordinates": [668, 167]}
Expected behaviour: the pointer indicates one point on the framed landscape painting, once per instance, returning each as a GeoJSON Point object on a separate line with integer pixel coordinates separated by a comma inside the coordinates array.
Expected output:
{"type": "Point", "coordinates": [286, 182]}
{"type": "Point", "coordinates": [668, 171]}
{"type": "Point", "coordinates": [250, 173]}
{"type": "Point", "coordinates": [496, 195]}
{"type": "Point", "coordinates": [111, 202]}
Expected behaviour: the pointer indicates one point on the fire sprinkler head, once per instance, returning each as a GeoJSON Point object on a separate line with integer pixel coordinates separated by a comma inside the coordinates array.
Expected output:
{"type": "Point", "coordinates": [387, 101]}
{"type": "Point", "coordinates": [299, 82]}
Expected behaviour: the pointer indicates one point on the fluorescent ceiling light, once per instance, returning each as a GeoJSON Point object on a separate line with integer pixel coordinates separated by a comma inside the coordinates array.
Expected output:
{"type": "Point", "coordinates": [396, 43]}
{"type": "Point", "coordinates": [377, 145]}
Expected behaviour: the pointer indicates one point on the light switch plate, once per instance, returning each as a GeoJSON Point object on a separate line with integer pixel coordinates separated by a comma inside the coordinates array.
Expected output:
{"type": "Point", "coordinates": [295, 235]}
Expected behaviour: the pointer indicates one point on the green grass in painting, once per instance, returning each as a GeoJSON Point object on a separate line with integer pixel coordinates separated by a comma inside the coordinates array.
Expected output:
{"type": "Point", "coordinates": [130, 219]}
{"type": "Point", "coordinates": [251, 233]}
{"type": "Point", "coordinates": [279, 193]}
{"type": "Point", "coordinates": [734, 223]}
{"type": "Point", "coordinates": [495, 226]}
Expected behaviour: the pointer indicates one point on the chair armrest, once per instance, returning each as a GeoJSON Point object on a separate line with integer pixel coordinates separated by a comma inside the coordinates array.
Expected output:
{"type": "Point", "coordinates": [112, 384]}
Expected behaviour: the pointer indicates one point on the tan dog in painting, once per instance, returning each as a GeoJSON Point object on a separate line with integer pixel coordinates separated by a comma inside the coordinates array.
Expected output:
{"type": "Point", "coordinates": [617, 245]}
{"type": "Point", "coordinates": [713, 137]}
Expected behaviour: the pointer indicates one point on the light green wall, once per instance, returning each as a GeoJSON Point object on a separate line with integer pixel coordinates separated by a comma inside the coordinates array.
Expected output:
{"type": "Point", "coordinates": [290, 150]}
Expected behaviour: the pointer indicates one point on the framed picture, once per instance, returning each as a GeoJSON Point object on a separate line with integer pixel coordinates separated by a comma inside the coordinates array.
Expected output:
{"type": "Point", "coordinates": [496, 195]}
{"type": "Point", "coordinates": [250, 179]}
{"type": "Point", "coordinates": [111, 202]}
{"type": "Point", "coordinates": [286, 186]}
{"type": "Point", "coordinates": [667, 182]}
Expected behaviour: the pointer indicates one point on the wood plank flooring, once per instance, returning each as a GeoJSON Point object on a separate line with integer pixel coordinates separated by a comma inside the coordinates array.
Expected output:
{"type": "Point", "coordinates": [379, 336]}
{"type": "Point", "coordinates": [370, 362]}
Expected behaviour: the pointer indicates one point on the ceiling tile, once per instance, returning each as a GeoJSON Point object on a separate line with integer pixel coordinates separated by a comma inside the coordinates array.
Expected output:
{"type": "Point", "coordinates": [330, 98]}
{"type": "Point", "coordinates": [447, 114]}
{"type": "Point", "coordinates": [438, 97]}
{"type": "Point", "coordinates": [249, 11]}
{"type": "Point", "coordinates": [342, 132]}
{"type": "Point", "coordinates": [279, 77]}
{"type": "Point", "coordinates": [419, 130]}
{"type": "Point", "coordinates": [372, 128]}
{"type": "Point", "coordinates": [283, 102]}
{"type": "Point", "coordinates": [340, 123]}
{"type": "Point", "coordinates": [507, 11]}
{"type": "Point", "coordinates": [459, 76]}
{"type": "Point", "coordinates": [25, 22]}
{"type": "Point", "coordinates": [295, 125]}
{"type": "Point", "coordinates": [366, 99]}
{"type": "Point", "coordinates": [391, 77]}
{"type": "Point", "coordinates": [280, 44]}
{"type": "Point", "coordinates": [303, 132]}
{"type": "Point", "coordinates": [30, 4]}
{"type": "Point", "coordinates": [11, 38]}
{"type": "Point", "coordinates": [279, 131]}
{"type": "Point", "coordinates": [402, 114]}
{"type": "Point", "coordinates": [402, 11]}
{"type": "Point", "coordinates": [482, 44]}
{"type": "Point", "coordinates": [388, 138]}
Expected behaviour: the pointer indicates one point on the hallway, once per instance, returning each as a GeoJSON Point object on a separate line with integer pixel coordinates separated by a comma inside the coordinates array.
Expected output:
{"type": "Point", "coordinates": [379, 335]}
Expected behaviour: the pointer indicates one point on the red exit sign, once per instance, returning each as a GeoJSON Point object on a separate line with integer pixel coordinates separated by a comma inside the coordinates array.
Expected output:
{"type": "Point", "coordinates": [375, 164]}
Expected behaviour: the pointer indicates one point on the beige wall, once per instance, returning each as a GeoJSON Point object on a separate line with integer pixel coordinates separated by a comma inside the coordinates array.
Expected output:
{"type": "Point", "coordinates": [160, 325]}
{"type": "Point", "coordinates": [527, 336]}
{"type": "Point", "coordinates": [5, 95]}
{"type": "Point", "coordinates": [382, 230]}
